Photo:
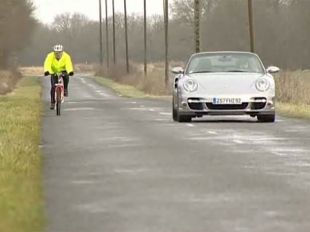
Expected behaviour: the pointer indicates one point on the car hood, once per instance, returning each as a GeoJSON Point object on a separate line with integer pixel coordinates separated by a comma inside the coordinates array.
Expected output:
{"type": "Point", "coordinates": [228, 83]}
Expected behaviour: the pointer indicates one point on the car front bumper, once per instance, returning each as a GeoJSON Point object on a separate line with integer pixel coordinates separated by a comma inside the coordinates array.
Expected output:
{"type": "Point", "coordinates": [251, 105]}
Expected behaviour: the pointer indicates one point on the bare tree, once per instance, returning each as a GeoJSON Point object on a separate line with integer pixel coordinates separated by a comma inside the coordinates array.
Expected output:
{"type": "Point", "coordinates": [62, 23]}
{"type": "Point", "coordinates": [184, 10]}
{"type": "Point", "coordinates": [16, 26]}
{"type": "Point", "coordinates": [281, 37]}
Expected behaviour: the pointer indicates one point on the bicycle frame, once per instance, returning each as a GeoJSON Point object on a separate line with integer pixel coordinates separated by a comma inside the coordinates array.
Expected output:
{"type": "Point", "coordinates": [59, 93]}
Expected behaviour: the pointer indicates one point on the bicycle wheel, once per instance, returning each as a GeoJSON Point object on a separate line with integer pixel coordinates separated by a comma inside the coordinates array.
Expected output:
{"type": "Point", "coordinates": [58, 101]}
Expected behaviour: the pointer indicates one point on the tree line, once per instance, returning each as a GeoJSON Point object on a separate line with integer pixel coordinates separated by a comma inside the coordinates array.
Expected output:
{"type": "Point", "coordinates": [281, 30]}
{"type": "Point", "coordinates": [16, 27]}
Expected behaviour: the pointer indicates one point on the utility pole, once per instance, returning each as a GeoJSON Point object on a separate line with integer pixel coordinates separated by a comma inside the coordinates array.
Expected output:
{"type": "Point", "coordinates": [126, 36]}
{"type": "Point", "coordinates": [166, 20]}
{"type": "Point", "coordinates": [145, 41]}
{"type": "Point", "coordinates": [100, 32]}
{"type": "Point", "coordinates": [107, 33]}
{"type": "Point", "coordinates": [197, 25]}
{"type": "Point", "coordinates": [114, 45]}
{"type": "Point", "coordinates": [251, 25]}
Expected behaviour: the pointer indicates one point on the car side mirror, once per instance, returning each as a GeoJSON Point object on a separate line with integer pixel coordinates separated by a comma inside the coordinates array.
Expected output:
{"type": "Point", "coordinates": [272, 69]}
{"type": "Point", "coordinates": [177, 70]}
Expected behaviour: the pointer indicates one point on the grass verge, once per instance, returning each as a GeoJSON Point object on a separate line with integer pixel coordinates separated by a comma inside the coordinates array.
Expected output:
{"type": "Point", "coordinates": [20, 159]}
{"type": "Point", "coordinates": [293, 110]}
{"type": "Point", "coordinates": [8, 80]}
{"type": "Point", "coordinates": [292, 90]}
{"type": "Point", "coordinates": [126, 90]}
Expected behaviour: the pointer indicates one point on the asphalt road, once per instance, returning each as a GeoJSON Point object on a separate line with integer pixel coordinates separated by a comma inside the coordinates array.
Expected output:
{"type": "Point", "coordinates": [114, 164]}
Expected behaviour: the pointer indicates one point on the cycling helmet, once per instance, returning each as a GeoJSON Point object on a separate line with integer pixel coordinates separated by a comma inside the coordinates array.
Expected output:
{"type": "Point", "coordinates": [58, 48]}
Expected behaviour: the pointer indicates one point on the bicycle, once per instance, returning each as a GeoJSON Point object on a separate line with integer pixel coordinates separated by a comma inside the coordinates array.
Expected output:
{"type": "Point", "coordinates": [59, 93]}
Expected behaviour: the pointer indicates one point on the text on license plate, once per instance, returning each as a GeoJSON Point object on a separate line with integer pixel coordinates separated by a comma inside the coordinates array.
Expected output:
{"type": "Point", "coordinates": [227, 101]}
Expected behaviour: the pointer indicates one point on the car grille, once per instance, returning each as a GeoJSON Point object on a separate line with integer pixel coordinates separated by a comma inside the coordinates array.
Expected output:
{"type": "Point", "coordinates": [227, 107]}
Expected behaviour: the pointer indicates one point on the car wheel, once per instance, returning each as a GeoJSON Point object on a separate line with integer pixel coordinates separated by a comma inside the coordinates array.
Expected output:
{"type": "Point", "coordinates": [177, 117]}
{"type": "Point", "coordinates": [266, 118]}
{"type": "Point", "coordinates": [184, 118]}
{"type": "Point", "coordinates": [174, 111]}
{"type": "Point", "coordinates": [174, 114]}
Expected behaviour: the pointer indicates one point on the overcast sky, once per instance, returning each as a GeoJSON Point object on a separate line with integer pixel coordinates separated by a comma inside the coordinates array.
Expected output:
{"type": "Point", "coordinates": [47, 9]}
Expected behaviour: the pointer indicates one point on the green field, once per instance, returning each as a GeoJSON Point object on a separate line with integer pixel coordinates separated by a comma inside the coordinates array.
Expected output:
{"type": "Point", "coordinates": [21, 204]}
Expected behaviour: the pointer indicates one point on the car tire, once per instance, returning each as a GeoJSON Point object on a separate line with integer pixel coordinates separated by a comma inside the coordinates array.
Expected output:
{"type": "Point", "coordinates": [174, 114]}
{"type": "Point", "coordinates": [266, 118]}
{"type": "Point", "coordinates": [177, 117]}
{"type": "Point", "coordinates": [184, 118]}
{"type": "Point", "coordinates": [174, 111]}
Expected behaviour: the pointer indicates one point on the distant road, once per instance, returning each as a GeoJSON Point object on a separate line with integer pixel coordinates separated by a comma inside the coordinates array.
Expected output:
{"type": "Point", "coordinates": [114, 164]}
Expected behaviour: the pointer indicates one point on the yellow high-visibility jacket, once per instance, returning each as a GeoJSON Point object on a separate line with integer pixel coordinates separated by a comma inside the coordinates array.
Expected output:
{"type": "Point", "coordinates": [52, 65]}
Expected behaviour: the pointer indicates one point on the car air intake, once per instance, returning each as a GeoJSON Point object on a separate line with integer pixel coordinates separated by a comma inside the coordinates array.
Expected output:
{"type": "Point", "coordinates": [195, 104]}
{"type": "Point", "coordinates": [212, 106]}
{"type": "Point", "coordinates": [259, 103]}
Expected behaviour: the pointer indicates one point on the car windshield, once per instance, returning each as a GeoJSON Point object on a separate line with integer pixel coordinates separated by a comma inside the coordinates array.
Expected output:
{"type": "Point", "coordinates": [225, 62]}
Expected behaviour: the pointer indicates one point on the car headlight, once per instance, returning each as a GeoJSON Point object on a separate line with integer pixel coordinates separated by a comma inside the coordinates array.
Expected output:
{"type": "Point", "coordinates": [262, 84]}
{"type": "Point", "coordinates": [190, 85]}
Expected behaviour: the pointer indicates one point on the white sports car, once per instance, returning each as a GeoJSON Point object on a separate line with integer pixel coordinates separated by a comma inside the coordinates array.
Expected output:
{"type": "Point", "coordinates": [224, 83]}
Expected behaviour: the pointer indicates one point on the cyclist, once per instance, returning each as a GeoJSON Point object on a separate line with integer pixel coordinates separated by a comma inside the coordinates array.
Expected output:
{"type": "Point", "coordinates": [56, 62]}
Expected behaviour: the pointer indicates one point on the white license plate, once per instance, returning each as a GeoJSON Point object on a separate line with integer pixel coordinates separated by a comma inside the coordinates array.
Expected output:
{"type": "Point", "coordinates": [227, 101]}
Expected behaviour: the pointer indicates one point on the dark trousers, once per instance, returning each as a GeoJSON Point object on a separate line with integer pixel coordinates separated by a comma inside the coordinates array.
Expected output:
{"type": "Point", "coordinates": [54, 81]}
